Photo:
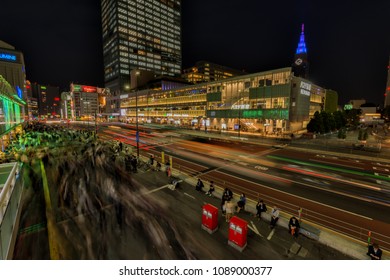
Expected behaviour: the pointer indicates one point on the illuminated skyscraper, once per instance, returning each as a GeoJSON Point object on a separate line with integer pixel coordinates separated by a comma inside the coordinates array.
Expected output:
{"type": "Point", "coordinates": [301, 65]}
{"type": "Point", "coordinates": [140, 34]}
{"type": "Point", "coordinates": [387, 92]}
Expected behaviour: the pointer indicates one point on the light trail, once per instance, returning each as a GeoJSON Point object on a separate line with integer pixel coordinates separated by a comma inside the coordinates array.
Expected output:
{"type": "Point", "coordinates": [359, 173]}
{"type": "Point", "coordinates": [315, 174]}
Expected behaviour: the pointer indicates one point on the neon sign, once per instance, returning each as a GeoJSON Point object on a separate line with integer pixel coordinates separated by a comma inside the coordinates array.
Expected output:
{"type": "Point", "coordinates": [7, 56]}
{"type": "Point", "coordinates": [88, 89]}
{"type": "Point", "coordinates": [19, 91]}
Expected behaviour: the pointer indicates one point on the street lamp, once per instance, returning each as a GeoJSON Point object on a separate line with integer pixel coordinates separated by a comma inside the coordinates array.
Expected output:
{"type": "Point", "coordinates": [137, 73]}
{"type": "Point", "coordinates": [239, 113]}
{"type": "Point", "coordinates": [96, 130]}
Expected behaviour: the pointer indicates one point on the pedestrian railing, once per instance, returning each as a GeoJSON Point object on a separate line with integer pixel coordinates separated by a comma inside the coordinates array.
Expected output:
{"type": "Point", "coordinates": [10, 197]}
{"type": "Point", "coordinates": [318, 220]}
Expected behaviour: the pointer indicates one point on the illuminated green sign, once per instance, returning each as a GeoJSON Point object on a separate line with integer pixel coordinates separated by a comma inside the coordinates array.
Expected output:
{"type": "Point", "coordinates": [348, 107]}
{"type": "Point", "coordinates": [77, 88]}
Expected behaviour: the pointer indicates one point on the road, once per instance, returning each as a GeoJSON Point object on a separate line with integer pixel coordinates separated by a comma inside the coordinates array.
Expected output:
{"type": "Point", "coordinates": [342, 193]}
{"type": "Point", "coordinates": [260, 171]}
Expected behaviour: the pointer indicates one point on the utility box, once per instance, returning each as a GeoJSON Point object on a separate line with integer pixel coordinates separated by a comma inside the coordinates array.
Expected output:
{"type": "Point", "coordinates": [210, 218]}
{"type": "Point", "coordinates": [238, 230]}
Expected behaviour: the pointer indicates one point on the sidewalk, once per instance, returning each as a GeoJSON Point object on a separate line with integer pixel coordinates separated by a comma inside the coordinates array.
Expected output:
{"type": "Point", "coordinates": [332, 239]}
{"type": "Point", "coordinates": [185, 205]}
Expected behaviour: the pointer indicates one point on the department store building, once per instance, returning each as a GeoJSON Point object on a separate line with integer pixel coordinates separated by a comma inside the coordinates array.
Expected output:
{"type": "Point", "coordinates": [270, 102]}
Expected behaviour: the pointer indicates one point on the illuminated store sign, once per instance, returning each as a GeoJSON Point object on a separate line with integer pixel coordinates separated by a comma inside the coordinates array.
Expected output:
{"type": "Point", "coordinates": [348, 107]}
{"type": "Point", "coordinates": [7, 56]}
{"type": "Point", "coordinates": [76, 88]}
{"type": "Point", "coordinates": [88, 89]}
{"type": "Point", "coordinates": [305, 88]}
{"type": "Point", "coordinates": [19, 91]}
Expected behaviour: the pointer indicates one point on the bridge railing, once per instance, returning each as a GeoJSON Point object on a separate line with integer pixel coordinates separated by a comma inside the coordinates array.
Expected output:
{"type": "Point", "coordinates": [10, 198]}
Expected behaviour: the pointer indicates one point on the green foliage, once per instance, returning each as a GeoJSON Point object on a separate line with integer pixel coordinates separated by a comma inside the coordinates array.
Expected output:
{"type": "Point", "coordinates": [386, 112]}
{"type": "Point", "coordinates": [363, 135]}
{"type": "Point", "coordinates": [342, 134]}
{"type": "Point", "coordinates": [326, 122]}
{"type": "Point", "coordinates": [339, 119]}
{"type": "Point", "coordinates": [353, 117]}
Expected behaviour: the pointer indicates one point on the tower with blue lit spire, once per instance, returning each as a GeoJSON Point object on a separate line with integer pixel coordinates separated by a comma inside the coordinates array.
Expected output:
{"type": "Point", "coordinates": [300, 66]}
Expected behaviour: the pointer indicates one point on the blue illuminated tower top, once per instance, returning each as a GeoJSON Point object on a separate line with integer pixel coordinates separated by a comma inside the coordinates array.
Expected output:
{"type": "Point", "coordinates": [300, 66]}
{"type": "Point", "coordinates": [302, 45]}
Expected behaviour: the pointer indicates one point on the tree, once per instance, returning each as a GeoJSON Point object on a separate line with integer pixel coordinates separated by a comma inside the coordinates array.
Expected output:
{"type": "Point", "coordinates": [325, 122]}
{"type": "Point", "coordinates": [339, 119]}
{"type": "Point", "coordinates": [363, 135]}
{"type": "Point", "coordinates": [353, 117]}
{"type": "Point", "coordinates": [315, 123]}
{"type": "Point", "coordinates": [341, 134]}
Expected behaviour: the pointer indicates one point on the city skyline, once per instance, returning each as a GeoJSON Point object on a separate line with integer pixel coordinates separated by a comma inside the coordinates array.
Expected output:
{"type": "Point", "coordinates": [347, 47]}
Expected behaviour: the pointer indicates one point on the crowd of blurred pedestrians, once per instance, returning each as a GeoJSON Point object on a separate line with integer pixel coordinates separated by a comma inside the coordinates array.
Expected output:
{"type": "Point", "coordinates": [88, 178]}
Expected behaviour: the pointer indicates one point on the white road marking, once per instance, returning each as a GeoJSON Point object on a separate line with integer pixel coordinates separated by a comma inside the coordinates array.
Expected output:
{"type": "Point", "coordinates": [380, 169]}
{"type": "Point", "coordinates": [384, 175]}
{"type": "Point", "coordinates": [254, 228]}
{"type": "Point", "coordinates": [193, 197]}
{"type": "Point", "coordinates": [155, 190]}
{"type": "Point", "coordinates": [339, 164]}
{"type": "Point", "coordinates": [271, 234]}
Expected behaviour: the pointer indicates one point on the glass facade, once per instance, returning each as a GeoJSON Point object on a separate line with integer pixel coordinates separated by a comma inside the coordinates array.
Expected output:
{"type": "Point", "coordinates": [11, 107]}
{"type": "Point", "coordinates": [204, 71]}
{"type": "Point", "coordinates": [266, 102]}
{"type": "Point", "coordinates": [140, 34]}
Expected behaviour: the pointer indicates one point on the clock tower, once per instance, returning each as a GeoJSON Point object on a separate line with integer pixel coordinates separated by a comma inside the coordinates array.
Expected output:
{"type": "Point", "coordinates": [300, 65]}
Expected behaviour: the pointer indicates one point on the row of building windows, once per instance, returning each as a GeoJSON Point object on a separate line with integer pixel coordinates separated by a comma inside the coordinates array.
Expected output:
{"type": "Point", "coordinates": [159, 34]}
{"type": "Point", "coordinates": [148, 13]}
{"type": "Point", "coordinates": [151, 24]}
{"type": "Point", "coordinates": [147, 28]}
{"type": "Point", "coordinates": [152, 4]}
{"type": "Point", "coordinates": [148, 23]}
{"type": "Point", "coordinates": [140, 58]}
{"type": "Point", "coordinates": [149, 62]}
{"type": "Point", "coordinates": [163, 46]}
{"type": "Point", "coordinates": [141, 14]}
{"type": "Point", "coordinates": [140, 52]}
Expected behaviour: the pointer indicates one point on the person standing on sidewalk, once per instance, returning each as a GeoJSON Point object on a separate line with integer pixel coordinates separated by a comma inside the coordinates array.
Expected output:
{"type": "Point", "coordinates": [229, 207]}
{"type": "Point", "coordinates": [293, 226]}
{"type": "Point", "coordinates": [260, 208]}
{"type": "Point", "coordinates": [241, 203]}
{"type": "Point", "coordinates": [199, 185]}
{"type": "Point", "coordinates": [211, 189]}
{"type": "Point", "coordinates": [374, 252]}
{"type": "Point", "coordinates": [225, 197]}
{"type": "Point", "coordinates": [274, 217]}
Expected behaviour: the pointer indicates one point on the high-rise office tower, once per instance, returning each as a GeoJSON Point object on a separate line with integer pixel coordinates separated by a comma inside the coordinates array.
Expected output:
{"type": "Point", "coordinates": [301, 66]}
{"type": "Point", "coordinates": [140, 34]}
{"type": "Point", "coordinates": [387, 92]}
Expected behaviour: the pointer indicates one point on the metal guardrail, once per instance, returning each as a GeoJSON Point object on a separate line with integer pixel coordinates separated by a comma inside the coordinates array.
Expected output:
{"type": "Point", "coordinates": [10, 197]}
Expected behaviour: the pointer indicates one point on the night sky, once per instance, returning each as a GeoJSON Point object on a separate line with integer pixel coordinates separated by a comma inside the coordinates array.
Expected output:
{"type": "Point", "coordinates": [348, 41]}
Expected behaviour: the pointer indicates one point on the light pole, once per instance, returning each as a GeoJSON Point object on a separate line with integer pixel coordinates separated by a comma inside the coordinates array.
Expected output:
{"type": "Point", "coordinates": [95, 124]}
{"type": "Point", "coordinates": [136, 115]}
{"type": "Point", "coordinates": [239, 113]}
